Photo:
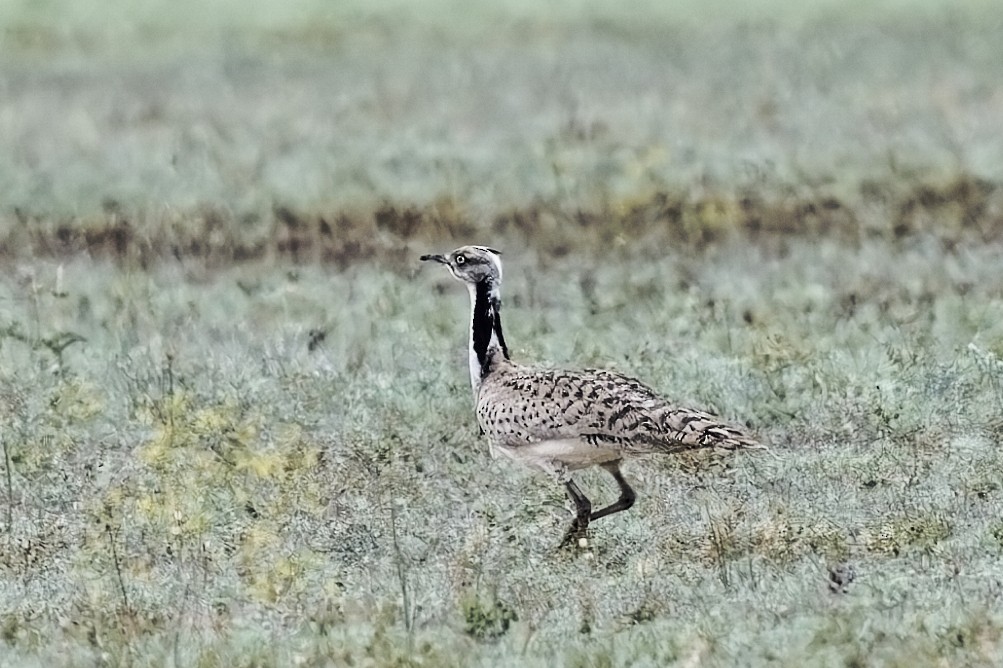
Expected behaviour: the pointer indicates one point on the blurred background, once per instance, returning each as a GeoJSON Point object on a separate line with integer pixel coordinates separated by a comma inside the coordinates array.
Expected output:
{"type": "Point", "coordinates": [231, 126]}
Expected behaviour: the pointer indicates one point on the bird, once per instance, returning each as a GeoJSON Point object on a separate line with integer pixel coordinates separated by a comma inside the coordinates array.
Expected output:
{"type": "Point", "coordinates": [560, 421]}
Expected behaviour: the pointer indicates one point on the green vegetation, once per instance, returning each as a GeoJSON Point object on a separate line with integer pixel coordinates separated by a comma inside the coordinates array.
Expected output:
{"type": "Point", "coordinates": [234, 413]}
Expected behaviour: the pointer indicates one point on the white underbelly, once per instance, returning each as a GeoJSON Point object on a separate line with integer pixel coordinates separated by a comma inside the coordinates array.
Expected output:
{"type": "Point", "coordinates": [573, 453]}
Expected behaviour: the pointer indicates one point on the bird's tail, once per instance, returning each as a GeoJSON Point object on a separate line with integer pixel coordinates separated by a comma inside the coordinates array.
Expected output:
{"type": "Point", "coordinates": [691, 429]}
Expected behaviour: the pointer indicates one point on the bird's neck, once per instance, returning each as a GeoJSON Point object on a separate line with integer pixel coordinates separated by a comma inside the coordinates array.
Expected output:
{"type": "Point", "coordinates": [486, 338]}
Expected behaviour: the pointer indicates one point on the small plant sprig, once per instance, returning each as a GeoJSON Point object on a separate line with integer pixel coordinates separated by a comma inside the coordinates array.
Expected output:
{"type": "Point", "coordinates": [56, 343]}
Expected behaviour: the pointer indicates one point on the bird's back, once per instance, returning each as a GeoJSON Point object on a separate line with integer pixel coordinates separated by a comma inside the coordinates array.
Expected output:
{"type": "Point", "coordinates": [524, 405]}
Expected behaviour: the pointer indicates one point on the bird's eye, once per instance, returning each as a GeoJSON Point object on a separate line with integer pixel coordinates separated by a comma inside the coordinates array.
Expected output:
{"type": "Point", "coordinates": [460, 259]}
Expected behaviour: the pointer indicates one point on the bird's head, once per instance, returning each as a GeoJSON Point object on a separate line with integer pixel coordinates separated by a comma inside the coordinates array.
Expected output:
{"type": "Point", "coordinates": [472, 264]}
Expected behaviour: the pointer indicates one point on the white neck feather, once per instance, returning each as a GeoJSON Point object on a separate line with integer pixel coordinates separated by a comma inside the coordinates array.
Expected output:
{"type": "Point", "coordinates": [474, 364]}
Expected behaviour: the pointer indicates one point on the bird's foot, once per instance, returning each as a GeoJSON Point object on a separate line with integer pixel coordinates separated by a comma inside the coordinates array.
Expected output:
{"type": "Point", "coordinates": [575, 537]}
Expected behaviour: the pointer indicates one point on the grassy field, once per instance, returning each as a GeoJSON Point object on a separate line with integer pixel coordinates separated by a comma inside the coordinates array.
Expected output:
{"type": "Point", "coordinates": [234, 409]}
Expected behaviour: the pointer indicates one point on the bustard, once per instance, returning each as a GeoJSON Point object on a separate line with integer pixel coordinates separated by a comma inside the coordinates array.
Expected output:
{"type": "Point", "coordinates": [561, 421]}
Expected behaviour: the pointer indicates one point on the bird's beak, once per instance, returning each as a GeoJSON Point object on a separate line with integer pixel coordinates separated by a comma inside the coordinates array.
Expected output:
{"type": "Point", "coordinates": [435, 258]}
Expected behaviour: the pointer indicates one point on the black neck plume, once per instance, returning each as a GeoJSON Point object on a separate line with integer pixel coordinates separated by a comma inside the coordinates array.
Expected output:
{"type": "Point", "coordinates": [486, 328]}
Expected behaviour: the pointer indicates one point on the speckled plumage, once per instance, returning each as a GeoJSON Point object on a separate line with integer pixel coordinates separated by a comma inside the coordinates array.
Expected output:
{"type": "Point", "coordinates": [561, 421]}
{"type": "Point", "coordinates": [520, 405]}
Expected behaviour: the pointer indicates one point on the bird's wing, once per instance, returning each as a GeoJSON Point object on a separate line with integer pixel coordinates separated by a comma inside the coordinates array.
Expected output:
{"type": "Point", "coordinates": [527, 405]}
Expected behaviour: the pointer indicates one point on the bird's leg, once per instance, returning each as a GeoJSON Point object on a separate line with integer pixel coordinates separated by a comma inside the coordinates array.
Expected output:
{"type": "Point", "coordinates": [583, 513]}
{"type": "Point", "coordinates": [627, 495]}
